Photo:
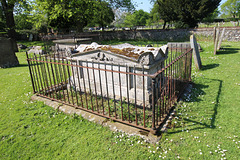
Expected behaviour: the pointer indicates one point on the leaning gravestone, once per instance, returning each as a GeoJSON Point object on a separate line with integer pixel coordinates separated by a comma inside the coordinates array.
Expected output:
{"type": "Point", "coordinates": [220, 40]}
{"type": "Point", "coordinates": [7, 53]}
{"type": "Point", "coordinates": [216, 41]}
{"type": "Point", "coordinates": [196, 54]}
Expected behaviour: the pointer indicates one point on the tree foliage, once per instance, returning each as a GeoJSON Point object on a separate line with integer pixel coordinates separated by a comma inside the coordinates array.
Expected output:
{"type": "Point", "coordinates": [154, 16]}
{"type": "Point", "coordinates": [7, 8]}
{"type": "Point", "coordinates": [65, 13]}
{"type": "Point", "coordinates": [187, 13]}
{"type": "Point", "coordinates": [2, 20]}
{"type": "Point", "coordinates": [138, 18]}
{"type": "Point", "coordinates": [126, 5]}
{"type": "Point", "coordinates": [103, 14]}
{"type": "Point", "coordinates": [211, 17]}
{"type": "Point", "coordinates": [231, 9]}
{"type": "Point", "coordinates": [37, 14]}
{"type": "Point", "coordinates": [77, 14]}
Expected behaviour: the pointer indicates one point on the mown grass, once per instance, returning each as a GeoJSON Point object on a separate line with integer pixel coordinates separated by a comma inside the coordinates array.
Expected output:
{"type": "Point", "coordinates": [206, 125]}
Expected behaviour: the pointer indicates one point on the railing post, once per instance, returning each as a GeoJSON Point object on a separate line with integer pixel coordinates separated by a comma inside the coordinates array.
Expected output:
{"type": "Point", "coordinates": [34, 91]}
{"type": "Point", "coordinates": [153, 104]}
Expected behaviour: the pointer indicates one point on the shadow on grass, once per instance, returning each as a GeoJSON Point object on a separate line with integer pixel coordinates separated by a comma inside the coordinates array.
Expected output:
{"type": "Point", "coordinates": [209, 66]}
{"type": "Point", "coordinates": [22, 65]}
{"type": "Point", "coordinates": [228, 51]}
{"type": "Point", "coordinates": [19, 66]}
{"type": "Point", "coordinates": [210, 125]}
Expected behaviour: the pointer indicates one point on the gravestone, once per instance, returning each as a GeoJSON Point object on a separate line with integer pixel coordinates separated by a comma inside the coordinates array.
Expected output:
{"type": "Point", "coordinates": [36, 50]}
{"type": "Point", "coordinates": [214, 35]}
{"type": "Point", "coordinates": [221, 38]}
{"type": "Point", "coordinates": [216, 41]}
{"type": "Point", "coordinates": [196, 54]}
{"type": "Point", "coordinates": [7, 53]}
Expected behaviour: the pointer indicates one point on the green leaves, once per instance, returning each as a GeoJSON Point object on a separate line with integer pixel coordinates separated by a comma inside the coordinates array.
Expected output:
{"type": "Point", "coordinates": [138, 18]}
{"type": "Point", "coordinates": [231, 8]}
{"type": "Point", "coordinates": [187, 13]}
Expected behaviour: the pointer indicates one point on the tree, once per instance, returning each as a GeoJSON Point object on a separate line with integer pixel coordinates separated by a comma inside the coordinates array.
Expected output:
{"type": "Point", "coordinates": [231, 8]}
{"type": "Point", "coordinates": [8, 7]}
{"type": "Point", "coordinates": [211, 17]}
{"type": "Point", "coordinates": [166, 11]}
{"type": "Point", "coordinates": [65, 14]}
{"type": "Point", "coordinates": [22, 16]}
{"type": "Point", "coordinates": [2, 20]}
{"type": "Point", "coordinates": [154, 16]}
{"type": "Point", "coordinates": [103, 14]}
{"type": "Point", "coordinates": [119, 18]}
{"type": "Point", "coordinates": [125, 5]}
{"type": "Point", "coordinates": [186, 13]}
{"type": "Point", "coordinates": [138, 18]}
{"type": "Point", "coordinates": [78, 13]}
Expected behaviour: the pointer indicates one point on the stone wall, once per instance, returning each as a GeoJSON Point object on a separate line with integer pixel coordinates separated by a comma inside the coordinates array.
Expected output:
{"type": "Point", "coordinates": [231, 34]}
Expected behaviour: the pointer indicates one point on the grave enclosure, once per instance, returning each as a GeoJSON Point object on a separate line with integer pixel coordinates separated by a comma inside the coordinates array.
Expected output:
{"type": "Point", "coordinates": [133, 85]}
{"type": "Point", "coordinates": [115, 84]}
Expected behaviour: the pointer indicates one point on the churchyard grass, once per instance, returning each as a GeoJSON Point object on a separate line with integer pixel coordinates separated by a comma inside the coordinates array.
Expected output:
{"type": "Point", "coordinates": [206, 124]}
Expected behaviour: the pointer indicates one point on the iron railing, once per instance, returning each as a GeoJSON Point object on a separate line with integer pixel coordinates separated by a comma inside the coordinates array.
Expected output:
{"type": "Point", "coordinates": [129, 95]}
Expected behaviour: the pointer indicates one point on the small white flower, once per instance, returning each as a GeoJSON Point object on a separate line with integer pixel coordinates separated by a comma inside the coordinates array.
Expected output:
{"type": "Point", "coordinates": [200, 153]}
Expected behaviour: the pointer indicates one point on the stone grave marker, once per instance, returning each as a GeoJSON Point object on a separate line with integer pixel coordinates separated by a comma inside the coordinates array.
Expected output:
{"type": "Point", "coordinates": [196, 54]}
{"type": "Point", "coordinates": [7, 53]}
{"type": "Point", "coordinates": [216, 41]}
{"type": "Point", "coordinates": [221, 38]}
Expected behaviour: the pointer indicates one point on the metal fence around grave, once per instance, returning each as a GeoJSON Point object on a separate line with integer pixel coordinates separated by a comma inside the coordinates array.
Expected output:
{"type": "Point", "coordinates": [143, 100]}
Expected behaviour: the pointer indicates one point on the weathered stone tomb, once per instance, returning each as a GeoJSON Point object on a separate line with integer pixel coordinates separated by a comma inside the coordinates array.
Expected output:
{"type": "Point", "coordinates": [117, 69]}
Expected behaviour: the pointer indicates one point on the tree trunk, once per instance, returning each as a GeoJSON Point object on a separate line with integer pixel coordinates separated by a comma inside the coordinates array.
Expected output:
{"type": "Point", "coordinates": [8, 12]}
{"type": "Point", "coordinates": [164, 25]}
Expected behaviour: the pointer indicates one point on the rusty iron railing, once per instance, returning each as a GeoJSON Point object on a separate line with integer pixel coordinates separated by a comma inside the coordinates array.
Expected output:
{"type": "Point", "coordinates": [131, 97]}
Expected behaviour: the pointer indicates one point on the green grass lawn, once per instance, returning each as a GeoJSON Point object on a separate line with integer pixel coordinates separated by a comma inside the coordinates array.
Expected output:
{"type": "Point", "coordinates": [206, 125]}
